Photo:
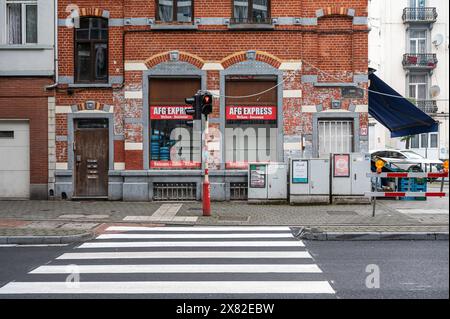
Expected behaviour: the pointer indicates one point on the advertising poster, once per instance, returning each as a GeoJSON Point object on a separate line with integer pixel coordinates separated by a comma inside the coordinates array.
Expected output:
{"type": "Point", "coordinates": [342, 165]}
{"type": "Point", "coordinates": [257, 176]}
{"type": "Point", "coordinates": [300, 172]}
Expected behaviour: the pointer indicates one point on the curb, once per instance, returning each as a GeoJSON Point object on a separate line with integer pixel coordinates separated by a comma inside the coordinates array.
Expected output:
{"type": "Point", "coordinates": [373, 236]}
{"type": "Point", "coordinates": [44, 240]}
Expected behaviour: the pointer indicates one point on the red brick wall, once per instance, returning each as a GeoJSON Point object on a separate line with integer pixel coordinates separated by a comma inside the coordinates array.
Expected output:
{"type": "Point", "coordinates": [26, 98]}
{"type": "Point", "coordinates": [335, 45]}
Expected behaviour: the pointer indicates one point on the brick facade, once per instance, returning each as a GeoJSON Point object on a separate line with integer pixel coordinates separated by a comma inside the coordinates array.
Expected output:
{"type": "Point", "coordinates": [25, 98]}
{"type": "Point", "coordinates": [328, 37]}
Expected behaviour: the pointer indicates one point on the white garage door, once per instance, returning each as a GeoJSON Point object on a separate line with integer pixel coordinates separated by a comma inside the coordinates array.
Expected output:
{"type": "Point", "coordinates": [14, 160]}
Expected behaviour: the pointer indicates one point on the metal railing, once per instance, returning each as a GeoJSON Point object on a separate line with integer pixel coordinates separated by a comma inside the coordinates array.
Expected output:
{"type": "Point", "coordinates": [238, 191]}
{"type": "Point", "coordinates": [421, 60]}
{"type": "Point", "coordinates": [175, 191]}
{"type": "Point", "coordinates": [425, 15]}
{"type": "Point", "coordinates": [251, 21]}
{"type": "Point", "coordinates": [427, 106]}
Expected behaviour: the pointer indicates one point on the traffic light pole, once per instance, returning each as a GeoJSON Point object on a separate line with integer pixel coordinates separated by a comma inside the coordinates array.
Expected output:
{"type": "Point", "coordinates": [206, 184]}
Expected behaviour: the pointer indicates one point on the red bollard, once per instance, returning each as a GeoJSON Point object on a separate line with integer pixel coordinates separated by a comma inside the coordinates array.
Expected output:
{"type": "Point", "coordinates": [206, 199]}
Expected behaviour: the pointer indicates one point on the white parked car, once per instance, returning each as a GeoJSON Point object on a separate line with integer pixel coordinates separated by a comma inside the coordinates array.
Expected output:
{"type": "Point", "coordinates": [407, 160]}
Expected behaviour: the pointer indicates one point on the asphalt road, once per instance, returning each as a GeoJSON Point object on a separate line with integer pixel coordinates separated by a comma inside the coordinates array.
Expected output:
{"type": "Point", "coordinates": [407, 269]}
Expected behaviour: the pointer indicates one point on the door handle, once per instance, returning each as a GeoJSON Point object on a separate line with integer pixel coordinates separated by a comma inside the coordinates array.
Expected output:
{"type": "Point", "coordinates": [355, 177]}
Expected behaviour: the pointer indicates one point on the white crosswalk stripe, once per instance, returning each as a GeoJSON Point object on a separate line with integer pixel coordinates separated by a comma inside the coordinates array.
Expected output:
{"type": "Point", "coordinates": [187, 255]}
{"type": "Point", "coordinates": [182, 261]}
{"type": "Point", "coordinates": [211, 268]}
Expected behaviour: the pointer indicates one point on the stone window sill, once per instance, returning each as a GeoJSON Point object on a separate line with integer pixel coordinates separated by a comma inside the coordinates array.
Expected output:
{"type": "Point", "coordinates": [25, 47]}
{"type": "Point", "coordinates": [88, 85]}
{"type": "Point", "coordinates": [251, 26]}
{"type": "Point", "coordinates": [166, 27]}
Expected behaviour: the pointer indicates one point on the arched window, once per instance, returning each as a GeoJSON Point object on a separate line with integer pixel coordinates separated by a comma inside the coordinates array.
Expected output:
{"type": "Point", "coordinates": [91, 51]}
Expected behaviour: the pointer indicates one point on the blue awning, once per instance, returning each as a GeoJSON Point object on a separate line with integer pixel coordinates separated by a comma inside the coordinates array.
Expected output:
{"type": "Point", "coordinates": [399, 115]}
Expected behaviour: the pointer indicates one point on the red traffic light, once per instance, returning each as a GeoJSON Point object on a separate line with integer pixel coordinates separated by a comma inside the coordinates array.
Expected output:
{"type": "Point", "coordinates": [206, 99]}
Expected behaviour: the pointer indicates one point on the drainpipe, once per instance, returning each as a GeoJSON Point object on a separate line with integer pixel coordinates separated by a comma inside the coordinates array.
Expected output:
{"type": "Point", "coordinates": [55, 47]}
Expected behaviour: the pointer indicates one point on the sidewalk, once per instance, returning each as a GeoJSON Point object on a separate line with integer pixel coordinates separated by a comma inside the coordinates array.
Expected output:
{"type": "Point", "coordinates": [67, 221]}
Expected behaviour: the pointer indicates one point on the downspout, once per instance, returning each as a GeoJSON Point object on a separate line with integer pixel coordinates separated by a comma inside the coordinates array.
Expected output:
{"type": "Point", "coordinates": [55, 48]}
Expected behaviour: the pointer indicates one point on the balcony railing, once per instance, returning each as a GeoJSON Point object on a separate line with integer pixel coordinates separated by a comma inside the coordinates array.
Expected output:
{"type": "Point", "coordinates": [251, 21]}
{"type": "Point", "coordinates": [427, 106]}
{"type": "Point", "coordinates": [419, 15]}
{"type": "Point", "coordinates": [427, 61]}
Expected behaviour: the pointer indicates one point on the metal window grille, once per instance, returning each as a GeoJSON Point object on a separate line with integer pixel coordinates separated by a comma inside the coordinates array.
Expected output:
{"type": "Point", "coordinates": [238, 191]}
{"type": "Point", "coordinates": [174, 191]}
{"type": "Point", "coordinates": [335, 137]}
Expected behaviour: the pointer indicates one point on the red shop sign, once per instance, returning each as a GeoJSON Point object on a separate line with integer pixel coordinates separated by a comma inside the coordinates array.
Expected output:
{"type": "Point", "coordinates": [236, 165]}
{"type": "Point", "coordinates": [251, 113]}
{"type": "Point", "coordinates": [169, 112]}
{"type": "Point", "coordinates": [175, 164]}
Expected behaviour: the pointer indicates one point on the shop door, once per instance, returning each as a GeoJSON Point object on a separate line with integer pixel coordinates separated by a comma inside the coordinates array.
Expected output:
{"type": "Point", "coordinates": [91, 158]}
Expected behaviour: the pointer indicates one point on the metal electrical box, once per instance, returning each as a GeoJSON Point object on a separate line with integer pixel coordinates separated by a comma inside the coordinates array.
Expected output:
{"type": "Point", "coordinates": [309, 181]}
{"type": "Point", "coordinates": [267, 181]}
{"type": "Point", "coordinates": [349, 174]}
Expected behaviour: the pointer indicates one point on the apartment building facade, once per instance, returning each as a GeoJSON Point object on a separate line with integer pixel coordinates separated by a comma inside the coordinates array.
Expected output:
{"type": "Point", "coordinates": [409, 48]}
{"type": "Point", "coordinates": [283, 74]}
{"type": "Point", "coordinates": [27, 67]}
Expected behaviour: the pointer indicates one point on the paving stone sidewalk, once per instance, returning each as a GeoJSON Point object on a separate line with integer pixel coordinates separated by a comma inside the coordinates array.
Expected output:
{"type": "Point", "coordinates": [71, 216]}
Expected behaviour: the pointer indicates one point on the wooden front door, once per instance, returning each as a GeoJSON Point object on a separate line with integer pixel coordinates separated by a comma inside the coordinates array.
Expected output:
{"type": "Point", "coordinates": [91, 152]}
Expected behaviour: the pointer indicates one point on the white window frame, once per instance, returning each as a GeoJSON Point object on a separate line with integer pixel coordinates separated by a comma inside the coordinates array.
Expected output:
{"type": "Point", "coordinates": [428, 146]}
{"type": "Point", "coordinates": [417, 84]}
{"type": "Point", "coordinates": [24, 4]}
{"type": "Point", "coordinates": [429, 140]}
{"type": "Point", "coordinates": [417, 41]}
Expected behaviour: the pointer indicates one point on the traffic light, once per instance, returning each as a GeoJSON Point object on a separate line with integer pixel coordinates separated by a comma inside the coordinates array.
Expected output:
{"type": "Point", "coordinates": [207, 101]}
{"type": "Point", "coordinates": [195, 110]}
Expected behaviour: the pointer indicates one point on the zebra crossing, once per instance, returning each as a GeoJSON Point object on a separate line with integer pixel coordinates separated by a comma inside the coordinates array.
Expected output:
{"type": "Point", "coordinates": [172, 262]}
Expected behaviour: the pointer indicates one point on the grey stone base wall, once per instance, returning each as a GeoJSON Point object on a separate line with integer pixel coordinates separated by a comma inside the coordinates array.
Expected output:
{"type": "Point", "coordinates": [139, 185]}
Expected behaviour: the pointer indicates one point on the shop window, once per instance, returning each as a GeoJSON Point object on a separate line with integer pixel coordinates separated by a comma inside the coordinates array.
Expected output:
{"type": "Point", "coordinates": [251, 129]}
{"type": "Point", "coordinates": [91, 51]}
{"type": "Point", "coordinates": [174, 10]}
{"type": "Point", "coordinates": [335, 136]}
{"type": "Point", "coordinates": [175, 139]}
{"type": "Point", "coordinates": [21, 19]}
{"type": "Point", "coordinates": [251, 11]}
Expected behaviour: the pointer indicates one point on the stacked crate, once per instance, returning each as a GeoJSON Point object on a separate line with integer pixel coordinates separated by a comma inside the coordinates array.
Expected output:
{"type": "Point", "coordinates": [412, 185]}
